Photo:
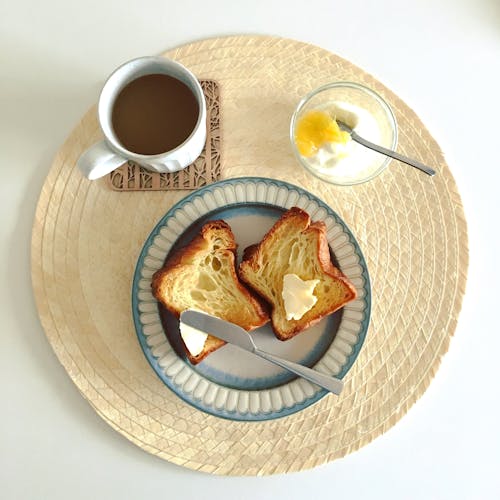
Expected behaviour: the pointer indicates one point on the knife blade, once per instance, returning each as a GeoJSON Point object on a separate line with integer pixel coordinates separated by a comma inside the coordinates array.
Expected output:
{"type": "Point", "coordinates": [234, 334]}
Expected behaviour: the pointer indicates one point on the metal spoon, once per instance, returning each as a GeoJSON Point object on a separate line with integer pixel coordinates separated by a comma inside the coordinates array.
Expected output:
{"type": "Point", "coordinates": [385, 151]}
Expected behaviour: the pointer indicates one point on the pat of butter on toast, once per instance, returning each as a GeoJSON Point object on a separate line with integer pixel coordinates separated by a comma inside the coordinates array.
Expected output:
{"type": "Point", "coordinates": [295, 245]}
{"type": "Point", "coordinates": [202, 276]}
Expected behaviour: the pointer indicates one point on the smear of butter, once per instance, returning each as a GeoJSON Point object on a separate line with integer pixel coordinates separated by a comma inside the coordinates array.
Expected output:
{"type": "Point", "coordinates": [193, 338]}
{"type": "Point", "coordinates": [298, 296]}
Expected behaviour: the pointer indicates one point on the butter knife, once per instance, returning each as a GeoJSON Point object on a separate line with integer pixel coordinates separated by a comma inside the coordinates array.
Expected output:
{"type": "Point", "coordinates": [234, 334]}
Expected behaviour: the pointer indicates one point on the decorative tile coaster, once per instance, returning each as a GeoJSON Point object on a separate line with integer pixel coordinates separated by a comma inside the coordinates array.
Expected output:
{"type": "Point", "coordinates": [205, 170]}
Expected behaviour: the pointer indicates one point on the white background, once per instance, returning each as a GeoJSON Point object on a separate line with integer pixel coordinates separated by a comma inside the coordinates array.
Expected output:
{"type": "Point", "coordinates": [54, 57]}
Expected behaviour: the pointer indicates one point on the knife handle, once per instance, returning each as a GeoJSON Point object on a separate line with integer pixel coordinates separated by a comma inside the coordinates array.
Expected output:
{"type": "Point", "coordinates": [328, 382]}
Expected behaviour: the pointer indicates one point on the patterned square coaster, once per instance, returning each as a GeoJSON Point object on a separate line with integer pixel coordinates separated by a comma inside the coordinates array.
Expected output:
{"type": "Point", "coordinates": [205, 170]}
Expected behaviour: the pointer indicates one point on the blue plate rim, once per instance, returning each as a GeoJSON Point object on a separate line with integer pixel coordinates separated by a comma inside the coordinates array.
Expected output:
{"type": "Point", "coordinates": [153, 361]}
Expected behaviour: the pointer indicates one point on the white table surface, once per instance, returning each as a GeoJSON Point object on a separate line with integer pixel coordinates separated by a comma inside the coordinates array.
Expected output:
{"type": "Point", "coordinates": [54, 57]}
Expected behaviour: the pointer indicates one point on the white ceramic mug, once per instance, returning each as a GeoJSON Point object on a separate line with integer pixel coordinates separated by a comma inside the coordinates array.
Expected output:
{"type": "Point", "coordinates": [105, 156]}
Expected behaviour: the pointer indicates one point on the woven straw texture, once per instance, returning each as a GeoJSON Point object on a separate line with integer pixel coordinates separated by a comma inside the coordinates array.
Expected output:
{"type": "Point", "coordinates": [411, 228]}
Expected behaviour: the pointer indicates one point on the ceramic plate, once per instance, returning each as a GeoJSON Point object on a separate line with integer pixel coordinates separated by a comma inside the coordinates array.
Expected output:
{"type": "Point", "coordinates": [231, 383]}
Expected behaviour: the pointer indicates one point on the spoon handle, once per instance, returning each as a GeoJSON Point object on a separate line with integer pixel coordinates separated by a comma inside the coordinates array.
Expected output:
{"type": "Point", "coordinates": [328, 382]}
{"type": "Point", "coordinates": [393, 154]}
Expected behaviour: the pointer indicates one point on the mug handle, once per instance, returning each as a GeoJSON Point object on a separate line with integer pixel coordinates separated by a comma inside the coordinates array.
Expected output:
{"type": "Point", "coordinates": [98, 161]}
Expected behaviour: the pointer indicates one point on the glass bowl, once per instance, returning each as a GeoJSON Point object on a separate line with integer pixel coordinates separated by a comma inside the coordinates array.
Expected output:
{"type": "Point", "coordinates": [367, 113]}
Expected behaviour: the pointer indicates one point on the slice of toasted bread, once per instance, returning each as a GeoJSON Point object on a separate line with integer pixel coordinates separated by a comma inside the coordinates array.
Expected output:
{"type": "Point", "coordinates": [202, 276]}
{"type": "Point", "coordinates": [294, 245]}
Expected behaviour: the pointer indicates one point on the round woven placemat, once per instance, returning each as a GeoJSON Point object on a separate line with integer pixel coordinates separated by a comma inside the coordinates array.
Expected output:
{"type": "Point", "coordinates": [411, 228]}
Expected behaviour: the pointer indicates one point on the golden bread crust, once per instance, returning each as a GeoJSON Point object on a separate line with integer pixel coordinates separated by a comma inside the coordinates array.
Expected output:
{"type": "Point", "coordinates": [186, 276]}
{"type": "Point", "coordinates": [292, 227]}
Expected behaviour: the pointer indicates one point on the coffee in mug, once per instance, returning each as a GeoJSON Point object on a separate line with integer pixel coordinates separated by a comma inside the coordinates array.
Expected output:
{"type": "Point", "coordinates": [154, 114]}
{"type": "Point", "coordinates": [152, 111]}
